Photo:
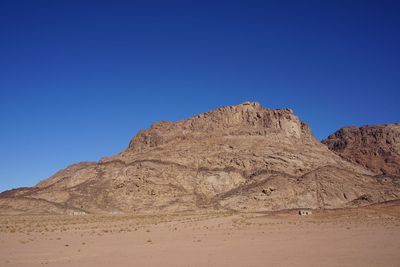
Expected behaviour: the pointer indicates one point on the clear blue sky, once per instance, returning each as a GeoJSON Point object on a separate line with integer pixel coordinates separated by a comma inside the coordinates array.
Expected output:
{"type": "Point", "coordinates": [78, 79]}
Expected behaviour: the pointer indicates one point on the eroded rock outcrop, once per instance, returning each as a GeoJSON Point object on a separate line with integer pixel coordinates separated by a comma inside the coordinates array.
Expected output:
{"type": "Point", "coordinates": [243, 157]}
{"type": "Point", "coordinates": [375, 147]}
{"type": "Point", "coordinates": [248, 118]}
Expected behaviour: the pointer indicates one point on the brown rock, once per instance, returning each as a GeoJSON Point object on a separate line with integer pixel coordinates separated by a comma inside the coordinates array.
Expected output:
{"type": "Point", "coordinates": [377, 147]}
{"type": "Point", "coordinates": [235, 157]}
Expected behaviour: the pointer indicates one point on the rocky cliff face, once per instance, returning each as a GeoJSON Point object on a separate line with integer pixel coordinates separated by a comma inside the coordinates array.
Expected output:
{"type": "Point", "coordinates": [248, 118]}
{"type": "Point", "coordinates": [375, 147]}
{"type": "Point", "coordinates": [243, 157]}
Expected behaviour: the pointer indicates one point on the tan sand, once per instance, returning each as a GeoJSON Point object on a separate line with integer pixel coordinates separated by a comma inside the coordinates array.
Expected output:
{"type": "Point", "coordinates": [342, 238]}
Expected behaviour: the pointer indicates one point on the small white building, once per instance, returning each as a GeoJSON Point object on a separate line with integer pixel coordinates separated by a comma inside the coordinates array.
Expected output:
{"type": "Point", "coordinates": [116, 212]}
{"type": "Point", "coordinates": [304, 212]}
{"type": "Point", "coordinates": [77, 213]}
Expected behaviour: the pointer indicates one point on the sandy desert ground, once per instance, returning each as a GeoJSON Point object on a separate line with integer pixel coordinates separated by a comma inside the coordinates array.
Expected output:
{"type": "Point", "coordinates": [367, 236]}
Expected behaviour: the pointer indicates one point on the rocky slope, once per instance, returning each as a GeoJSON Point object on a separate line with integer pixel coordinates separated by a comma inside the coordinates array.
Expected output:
{"type": "Point", "coordinates": [375, 147]}
{"type": "Point", "coordinates": [243, 157]}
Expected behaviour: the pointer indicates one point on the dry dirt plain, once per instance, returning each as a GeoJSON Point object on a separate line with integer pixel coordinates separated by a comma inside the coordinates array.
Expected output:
{"type": "Point", "coordinates": [367, 236]}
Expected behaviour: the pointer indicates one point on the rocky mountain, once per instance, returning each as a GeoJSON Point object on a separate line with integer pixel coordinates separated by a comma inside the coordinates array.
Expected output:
{"type": "Point", "coordinates": [245, 157]}
{"type": "Point", "coordinates": [376, 147]}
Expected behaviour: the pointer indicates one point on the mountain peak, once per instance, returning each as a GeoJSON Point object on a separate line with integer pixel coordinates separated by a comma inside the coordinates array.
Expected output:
{"type": "Point", "coordinates": [247, 118]}
{"type": "Point", "coordinates": [375, 147]}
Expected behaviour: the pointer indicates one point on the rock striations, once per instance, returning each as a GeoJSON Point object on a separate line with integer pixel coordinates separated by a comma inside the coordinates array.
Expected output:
{"type": "Point", "coordinates": [244, 157]}
{"type": "Point", "coordinates": [375, 147]}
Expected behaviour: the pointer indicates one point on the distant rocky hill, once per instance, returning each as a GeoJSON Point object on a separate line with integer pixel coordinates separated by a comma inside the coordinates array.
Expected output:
{"type": "Point", "coordinates": [244, 157]}
{"type": "Point", "coordinates": [376, 147]}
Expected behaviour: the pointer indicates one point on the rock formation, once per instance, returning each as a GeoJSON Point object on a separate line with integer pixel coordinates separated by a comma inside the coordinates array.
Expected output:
{"type": "Point", "coordinates": [243, 157]}
{"type": "Point", "coordinates": [377, 147]}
